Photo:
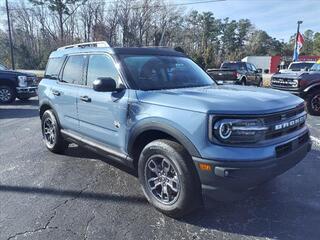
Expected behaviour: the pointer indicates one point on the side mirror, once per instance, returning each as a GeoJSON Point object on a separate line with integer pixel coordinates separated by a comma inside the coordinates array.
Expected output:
{"type": "Point", "coordinates": [259, 70]}
{"type": "Point", "coordinates": [266, 71]}
{"type": "Point", "coordinates": [105, 85]}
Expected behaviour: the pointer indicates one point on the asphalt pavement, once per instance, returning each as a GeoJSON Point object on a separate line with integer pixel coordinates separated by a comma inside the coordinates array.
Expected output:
{"type": "Point", "coordinates": [80, 195]}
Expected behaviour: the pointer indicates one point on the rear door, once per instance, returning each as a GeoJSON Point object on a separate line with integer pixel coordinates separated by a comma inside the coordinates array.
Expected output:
{"type": "Point", "coordinates": [66, 91]}
{"type": "Point", "coordinates": [102, 115]}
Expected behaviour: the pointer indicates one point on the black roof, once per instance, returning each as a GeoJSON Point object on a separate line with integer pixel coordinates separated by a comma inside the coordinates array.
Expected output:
{"type": "Point", "coordinates": [148, 51]}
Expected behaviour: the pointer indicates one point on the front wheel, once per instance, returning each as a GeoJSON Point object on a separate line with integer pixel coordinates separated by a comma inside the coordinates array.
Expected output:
{"type": "Point", "coordinates": [7, 94]}
{"type": "Point", "coordinates": [313, 103]}
{"type": "Point", "coordinates": [168, 178]}
{"type": "Point", "coordinates": [51, 133]}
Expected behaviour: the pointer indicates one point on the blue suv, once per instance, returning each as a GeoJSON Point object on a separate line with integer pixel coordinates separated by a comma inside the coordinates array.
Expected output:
{"type": "Point", "coordinates": [155, 110]}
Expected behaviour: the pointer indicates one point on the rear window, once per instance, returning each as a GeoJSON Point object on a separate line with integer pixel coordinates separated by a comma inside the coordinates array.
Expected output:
{"type": "Point", "coordinates": [300, 66]}
{"type": "Point", "coordinates": [233, 66]}
{"type": "Point", "coordinates": [53, 67]}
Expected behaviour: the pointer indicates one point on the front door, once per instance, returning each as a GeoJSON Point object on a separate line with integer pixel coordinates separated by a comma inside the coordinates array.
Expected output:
{"type": "Point", "coordinates": [102, 115]}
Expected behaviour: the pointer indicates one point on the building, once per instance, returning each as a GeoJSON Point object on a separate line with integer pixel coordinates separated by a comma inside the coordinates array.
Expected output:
{"type": "Point", "coordinates": [269, 64]}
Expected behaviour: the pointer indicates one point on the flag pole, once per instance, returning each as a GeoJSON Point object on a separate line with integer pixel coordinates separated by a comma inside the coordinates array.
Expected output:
{"type": "Point", "coordinates": [296, 43]}
{"type": "Point", "coordinates": [10, 36]}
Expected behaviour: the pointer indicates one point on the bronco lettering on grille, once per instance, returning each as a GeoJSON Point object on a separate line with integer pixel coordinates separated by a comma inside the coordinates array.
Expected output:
{"type": "Point", "coordinates": [291, 123]}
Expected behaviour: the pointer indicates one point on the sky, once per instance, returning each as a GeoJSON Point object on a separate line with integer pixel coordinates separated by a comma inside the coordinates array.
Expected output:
{"type": "Point", "coordinates": [277, 17]}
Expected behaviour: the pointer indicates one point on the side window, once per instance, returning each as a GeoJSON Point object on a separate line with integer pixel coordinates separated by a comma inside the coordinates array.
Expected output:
{"type": "Point", "coordinates": [72, 72]}
{"type": "Point", "coordinates": [53, 67]}
{"type": "Point", "coordinates": [253, 67]}
{"type": "Point", "coordinates": [101, 66]}
{"type": "Point", "coordinates": [249, 67]}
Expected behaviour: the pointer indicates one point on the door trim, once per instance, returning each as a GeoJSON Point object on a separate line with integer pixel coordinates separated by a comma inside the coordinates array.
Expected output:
{"type": "Point", "coordinates": [97, 147]}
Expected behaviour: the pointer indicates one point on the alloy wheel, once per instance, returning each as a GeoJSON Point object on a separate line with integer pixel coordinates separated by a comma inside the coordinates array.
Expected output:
{"type": "Point", "coordinates": [49, 132]}
{"type": "Point", "coordinates": [5, 94]}
{"type": "Point", "coordinates": [315, 103]}
{"type": "Point", "coordinates": [162, 179]}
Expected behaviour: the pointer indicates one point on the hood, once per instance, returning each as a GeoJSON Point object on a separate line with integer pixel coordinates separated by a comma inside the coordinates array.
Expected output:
{"type": "Point", "coordinates": [16, 73]}
{"type": "Point", "coordinates": [289, 74]}
{"type": "Point", "coordinates": [222, 99]}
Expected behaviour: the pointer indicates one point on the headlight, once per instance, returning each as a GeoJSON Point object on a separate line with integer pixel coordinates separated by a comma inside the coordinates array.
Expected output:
{"type": "Point", "coordinates": [22, 81]}
{"type": "Point", "coordinates": [295, 83]}
{"type": "Point", "coordinates": [237, 130]}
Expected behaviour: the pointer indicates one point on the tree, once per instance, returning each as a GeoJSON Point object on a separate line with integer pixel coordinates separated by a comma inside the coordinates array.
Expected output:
{"type": "Point", "coordinates": [307, 48]}
{"type": "Point", "coordinates": [61, 8]}
{"type": "Point", "coordinates": [316, 46]}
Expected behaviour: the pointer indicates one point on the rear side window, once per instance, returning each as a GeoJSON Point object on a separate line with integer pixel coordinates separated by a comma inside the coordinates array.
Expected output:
{"type": "Point", "coordinates": [73, 70]}
{"type": "Point", "coordinates": [101, 66]}
{"type": "Point", "coordinates": [53, 67]}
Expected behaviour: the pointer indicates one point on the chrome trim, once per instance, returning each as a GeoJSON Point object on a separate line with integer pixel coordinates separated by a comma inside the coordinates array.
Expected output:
{"type": "Point", "coordinates": [250, 128]}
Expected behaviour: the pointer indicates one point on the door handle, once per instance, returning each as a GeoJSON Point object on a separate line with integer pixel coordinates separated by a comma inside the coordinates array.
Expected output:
{"type": "Point", "coordinates": [85, 99]}
{"type": "Point", "coordinates": [55, 92]}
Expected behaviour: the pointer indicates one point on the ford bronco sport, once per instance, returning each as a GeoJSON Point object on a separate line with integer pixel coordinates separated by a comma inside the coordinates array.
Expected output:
{"type": "Point", "coordinates": [158, 112]}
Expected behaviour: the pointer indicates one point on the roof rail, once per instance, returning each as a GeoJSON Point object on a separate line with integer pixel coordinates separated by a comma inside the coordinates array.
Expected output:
{"type": "Point", "coordinates": [86, 44]}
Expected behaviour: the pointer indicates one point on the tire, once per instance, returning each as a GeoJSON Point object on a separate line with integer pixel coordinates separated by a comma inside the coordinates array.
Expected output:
{"type": "Point", "coordinates": [24, 98]}
{"type": "Point", "coordinates": [7, 94]}
{"type": "Point", "coordinates": [243, 82]}
{"type": "Point", "coordinates": [313, 103]}
{"type": "Point", "coordinates": [178, 177]}
{"type": "Point", "coordinates": [51, 133]}
{"type": "Point", "coordinates": [260, 84]}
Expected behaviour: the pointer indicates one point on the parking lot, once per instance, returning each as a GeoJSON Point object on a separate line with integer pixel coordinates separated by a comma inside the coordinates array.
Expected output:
{"type": "Point", "coordinates": [80, 195]}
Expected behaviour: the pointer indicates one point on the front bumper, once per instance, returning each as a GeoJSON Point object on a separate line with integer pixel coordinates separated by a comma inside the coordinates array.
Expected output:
{"type": "Point", "coordinates": [27, 91]}
{"type": "Point", "coordinates": [229, 179]}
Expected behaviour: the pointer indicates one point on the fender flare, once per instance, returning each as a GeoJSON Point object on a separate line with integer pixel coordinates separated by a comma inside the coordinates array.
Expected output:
{"type": "Point", "coordinates": [307, 89]}
{"type": "Point", "coordinates": [165, 128]}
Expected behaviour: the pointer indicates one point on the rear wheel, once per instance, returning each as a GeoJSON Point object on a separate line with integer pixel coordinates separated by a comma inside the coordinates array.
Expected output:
{"type": "Point", "coordinates": [168, 178]}
{"type": "Point", "coordinates": [51, 133]}
{"type": "Point", "coordinates": [243, 82]}
{"type": "Point", "coordinates": [313, 103]}
{"type": "Point", "coordinates": [7, 94]}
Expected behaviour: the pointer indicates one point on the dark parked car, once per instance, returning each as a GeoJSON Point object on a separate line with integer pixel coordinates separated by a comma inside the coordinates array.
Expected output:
{"type": "Point", "coordinates": [15, 84]}
{"type": "Point", "coordinates": [303, 84]}
{"type": "Point", "coordinates": [158, 112]}
{"type": "Point", "coordinates": [242, 73]}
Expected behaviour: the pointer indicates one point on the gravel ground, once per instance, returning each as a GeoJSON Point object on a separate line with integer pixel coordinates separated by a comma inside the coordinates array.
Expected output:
{"type": "Point", "coordinates": [80, 195]}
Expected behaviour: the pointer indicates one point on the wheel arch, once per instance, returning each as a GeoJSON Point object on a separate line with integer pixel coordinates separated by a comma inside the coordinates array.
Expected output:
{"type": "Point", "coordinates": [149, 132]}
{"type": "Point", "coordinates": [46, 105]}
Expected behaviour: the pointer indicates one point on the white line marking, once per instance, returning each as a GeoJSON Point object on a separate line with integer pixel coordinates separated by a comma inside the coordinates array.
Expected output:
{"type": "Point", "coordinates": [315, 140]}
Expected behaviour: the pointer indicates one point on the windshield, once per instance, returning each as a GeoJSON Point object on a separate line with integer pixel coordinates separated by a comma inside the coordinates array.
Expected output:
{"type": "Point", "coordinates": [164, 72]}
{"type": "Point", "coordinates": [315, 67]}
{"type": "Point", "coordinates": [233, 66]}
{"type": "Point", "coordinates": [300, 66]}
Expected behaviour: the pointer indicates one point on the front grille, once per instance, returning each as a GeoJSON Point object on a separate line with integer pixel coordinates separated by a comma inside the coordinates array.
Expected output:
{"type": "Point", "coordinates": [32, 81]}
{"type": "Point", "coordinates": [283, 123]}
{"type": "Point", "coordinates": [285, 83]}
